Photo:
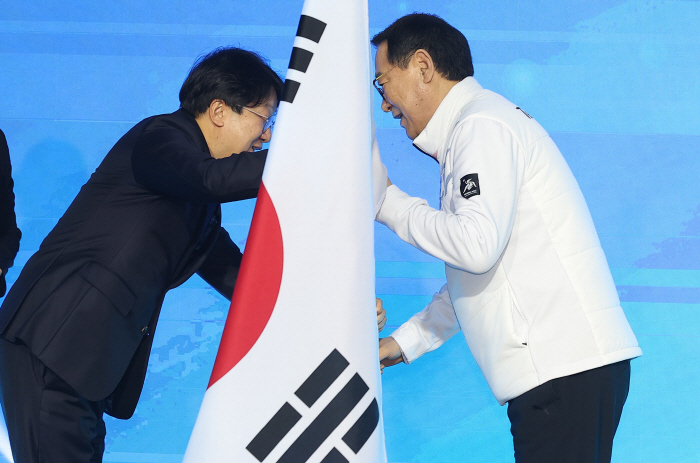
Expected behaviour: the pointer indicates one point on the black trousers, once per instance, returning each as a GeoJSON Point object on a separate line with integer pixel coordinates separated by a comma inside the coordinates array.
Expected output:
{"type": "Point", "coordinates": [47, 420]}
{"type": "Point", "coordinates": [571, 419]}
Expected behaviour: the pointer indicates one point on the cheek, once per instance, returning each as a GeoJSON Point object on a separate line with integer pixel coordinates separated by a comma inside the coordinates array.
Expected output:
{"type": "Point", "coordinates": [236, 141]}
{"type": "Point", "coordinates": [394, 98]}
{"type": "Point", "coordinates": [253, 130]}
{"type": "Point", "coordinates": [405, 104]}
{"type": "Point", "coordinates": [245, 136]}
{"type": "Point", "coordinates": [412, 111]}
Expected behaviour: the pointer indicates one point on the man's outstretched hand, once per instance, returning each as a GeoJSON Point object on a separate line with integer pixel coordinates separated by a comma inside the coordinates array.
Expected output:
{"type": "Point", "coordinates": [381, 315]}
{"type": "Point", "coordinates": [389, 353]}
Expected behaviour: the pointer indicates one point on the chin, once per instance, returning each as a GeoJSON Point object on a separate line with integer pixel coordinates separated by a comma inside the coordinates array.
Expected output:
{"type": "Point", "coordinates": [409, 132]}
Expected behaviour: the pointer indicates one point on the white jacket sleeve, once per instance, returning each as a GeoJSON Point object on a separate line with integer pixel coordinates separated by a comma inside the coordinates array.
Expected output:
{"type": "Point", "coordinates": [429, 329]}
{"type": "Point", "coordinates": [472, 237]}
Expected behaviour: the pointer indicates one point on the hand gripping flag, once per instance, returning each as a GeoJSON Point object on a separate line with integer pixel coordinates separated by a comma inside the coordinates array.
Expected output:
{"type": "Point", "coordinates": [296, 378]}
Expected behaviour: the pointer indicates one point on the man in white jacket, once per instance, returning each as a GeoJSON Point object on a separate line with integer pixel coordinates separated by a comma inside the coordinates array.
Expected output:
{"type": "Point", "coordinates": [527, 281]}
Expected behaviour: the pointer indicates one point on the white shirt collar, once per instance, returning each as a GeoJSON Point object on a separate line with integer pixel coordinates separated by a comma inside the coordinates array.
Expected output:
{"type": "Point", "coordinates": [434, 136]}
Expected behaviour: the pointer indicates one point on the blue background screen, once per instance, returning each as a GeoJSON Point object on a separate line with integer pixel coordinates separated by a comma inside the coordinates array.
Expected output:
{"type": "Point", "coordinates": [615, 83]}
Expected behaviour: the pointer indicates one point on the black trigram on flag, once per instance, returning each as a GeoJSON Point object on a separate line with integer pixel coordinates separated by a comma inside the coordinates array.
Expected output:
{"type": "Point", "coordinates": [327, 420]}
{"type": "Point", "coordinates": [309, 28]}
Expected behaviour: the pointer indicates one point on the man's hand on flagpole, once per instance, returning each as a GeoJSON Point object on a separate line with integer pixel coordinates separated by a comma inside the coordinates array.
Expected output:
{"type": "Point", "coordinates": [381, 315]}
{"type": "Point", "coordinates": [389, 353]}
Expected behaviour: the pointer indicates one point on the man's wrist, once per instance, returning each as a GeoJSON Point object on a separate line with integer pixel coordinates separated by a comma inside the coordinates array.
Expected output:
{"type": "Point", "coordinates": [403, 357]}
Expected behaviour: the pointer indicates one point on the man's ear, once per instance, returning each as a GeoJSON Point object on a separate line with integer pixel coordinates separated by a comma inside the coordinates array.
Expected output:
{"type": "Point", "coordinates": [425, 64]}
{"type": "Point", "coordinates": [216, 111]}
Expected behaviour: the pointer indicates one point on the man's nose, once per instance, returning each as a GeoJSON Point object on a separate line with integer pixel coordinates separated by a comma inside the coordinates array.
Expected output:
{"type": "Point", "coordinates": [266, 135]}
{"type": "Point", "coordinates": [386, 106]}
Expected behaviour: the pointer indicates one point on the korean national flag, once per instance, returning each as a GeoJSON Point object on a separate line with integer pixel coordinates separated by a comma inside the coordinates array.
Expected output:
{"type": "Point", "coordinates": [296, 378]}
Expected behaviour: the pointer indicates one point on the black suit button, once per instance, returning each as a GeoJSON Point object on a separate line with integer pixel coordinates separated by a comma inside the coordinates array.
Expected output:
{"type": "Point", "coordinates": [144, 331]}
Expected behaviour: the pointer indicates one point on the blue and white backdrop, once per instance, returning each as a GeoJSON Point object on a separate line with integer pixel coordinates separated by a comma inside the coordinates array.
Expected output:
{"type": "Point", "coordinates": [615, 82]}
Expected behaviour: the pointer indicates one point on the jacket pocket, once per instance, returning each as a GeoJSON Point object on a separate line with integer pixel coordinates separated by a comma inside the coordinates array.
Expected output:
{"type": "Point", "coordinates": [111, 285]}
{"type": "Point", "coordinates": [520, 325]}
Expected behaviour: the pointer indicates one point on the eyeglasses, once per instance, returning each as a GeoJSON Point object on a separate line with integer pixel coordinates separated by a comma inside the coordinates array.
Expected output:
{"type": "Point", "coordinates": [269, 121]}
{"type": "Point", "coordinates": [377, 85]}
{"type": "Point", "coordinates": [380, 87]}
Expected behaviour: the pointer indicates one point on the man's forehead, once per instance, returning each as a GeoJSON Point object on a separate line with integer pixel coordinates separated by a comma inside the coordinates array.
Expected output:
{"type": "Point", "coordinates": [271, 101]}
{"type": "Point", "coordinates": [380, 60]}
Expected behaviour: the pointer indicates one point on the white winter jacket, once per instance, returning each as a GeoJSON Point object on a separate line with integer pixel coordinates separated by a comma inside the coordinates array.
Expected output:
{"type": "Point", "coordinates": [527, 280]}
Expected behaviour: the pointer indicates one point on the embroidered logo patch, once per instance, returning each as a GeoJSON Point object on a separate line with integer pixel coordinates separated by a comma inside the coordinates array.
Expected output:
{"type": "Point", "coordinates": [469, 186]}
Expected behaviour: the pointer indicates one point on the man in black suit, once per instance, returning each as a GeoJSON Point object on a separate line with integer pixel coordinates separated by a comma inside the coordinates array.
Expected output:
{"type": "Point", "coordinates": [9, 233]}
{"type": "Point", "coordinates": [78, 324]}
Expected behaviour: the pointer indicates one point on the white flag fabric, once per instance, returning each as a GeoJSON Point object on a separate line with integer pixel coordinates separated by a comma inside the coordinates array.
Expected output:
{"type": "Point", "coordinates": [296, 377]}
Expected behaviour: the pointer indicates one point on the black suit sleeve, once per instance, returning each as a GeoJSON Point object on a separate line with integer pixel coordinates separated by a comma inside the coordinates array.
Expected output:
{"type": "Point", "coordinates": [9, 233]}
{"type": "Point", "coordinates": [172, 160]}
{"type": "Point", "coordinates": [220, 269]}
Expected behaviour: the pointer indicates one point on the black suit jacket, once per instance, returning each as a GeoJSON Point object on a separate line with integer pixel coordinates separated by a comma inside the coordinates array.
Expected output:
{"type": "Point", "coordinates": [9, 233]}
{"type": "Point", "coordinates": [87, 303]}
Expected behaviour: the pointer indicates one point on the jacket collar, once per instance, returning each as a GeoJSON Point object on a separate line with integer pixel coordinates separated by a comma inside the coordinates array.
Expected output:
{"type": "Point", "coordinates": [188, 124]}
{"type": "Point", "coordinates": [433, 137]}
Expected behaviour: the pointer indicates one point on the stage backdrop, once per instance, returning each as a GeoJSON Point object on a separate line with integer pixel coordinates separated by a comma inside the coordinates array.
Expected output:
{"type": "Point", "coordinates": [614, 82]}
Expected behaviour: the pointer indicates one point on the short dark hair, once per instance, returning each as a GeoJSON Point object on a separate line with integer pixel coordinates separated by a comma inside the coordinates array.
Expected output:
{"type": "Point", "coordinates": [447, 46]}
{"type": "Point", "coordinates": [237, 77]}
